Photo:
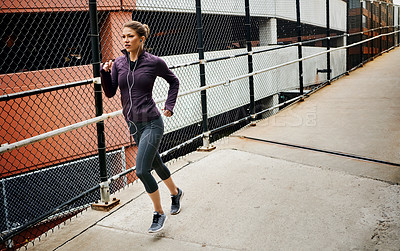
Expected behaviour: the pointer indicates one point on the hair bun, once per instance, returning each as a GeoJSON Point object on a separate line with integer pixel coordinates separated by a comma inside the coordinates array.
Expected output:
{"type": "Point", "coordinates": [147, 30]}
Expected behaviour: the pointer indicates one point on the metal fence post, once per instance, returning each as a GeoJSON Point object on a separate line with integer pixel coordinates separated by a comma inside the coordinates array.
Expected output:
{"type": "Point", "coordinates": [361, 33]}
{"type": "Point", "coordinates": [200, 48]}
{"type": "Point", "coordinates": [387, 26]}
{"type": "Point", "coordinates": [398, 25]}
{"type": "Point", "coordinates": [347, 37]}
{"type": "Point", "coordinates": [380, 27]}
{"type": "Point", "coordinates": [299, 47]}
{"type": "Point", "coordinates": [394, 27]}
{"type": "Point", "coordinates": [9, 243]}
{"type": "Point", "coordinates": [250, 60]}
{"type": "Point", "coordinates": [94, 34]}
{"type": "Point", "coordinates": [328, 44]}
{"type": "Point", "coordinates": [370, 34]}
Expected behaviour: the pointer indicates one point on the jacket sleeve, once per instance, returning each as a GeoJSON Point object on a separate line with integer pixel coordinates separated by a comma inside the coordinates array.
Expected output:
{"type": "Point", "coordinates": [173, 82]}
{"type": "Point", "coordinates": [109, 81]}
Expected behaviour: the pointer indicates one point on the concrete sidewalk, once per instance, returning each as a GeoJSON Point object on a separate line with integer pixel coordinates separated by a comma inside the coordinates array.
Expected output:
{"type": "Point", "coordinates": [255, 194]}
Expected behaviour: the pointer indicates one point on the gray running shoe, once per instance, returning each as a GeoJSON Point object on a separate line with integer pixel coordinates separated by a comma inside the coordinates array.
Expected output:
{"type": "Point", "coordinates": [158, 222]}
{"type": "Point", "coordinates": [176, 202]}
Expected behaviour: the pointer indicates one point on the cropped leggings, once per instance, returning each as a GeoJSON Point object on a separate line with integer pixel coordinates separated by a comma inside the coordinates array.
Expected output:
{"type": "Point", "coordinates": [147, 136]}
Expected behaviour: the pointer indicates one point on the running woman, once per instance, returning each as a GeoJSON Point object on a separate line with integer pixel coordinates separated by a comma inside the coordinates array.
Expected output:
{"type": "Point", "coordinates": [135, 73]}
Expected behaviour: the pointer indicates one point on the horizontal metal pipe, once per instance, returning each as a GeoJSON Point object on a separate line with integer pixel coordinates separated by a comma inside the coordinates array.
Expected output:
{"type": "Point", "coordinates": [184, 65]}
{"type": "Point", "coordinates": [366, 31]}
{"type": "Point", "coordinates": [379, 1]}
{"type": "Point", "coordinates": [227, 57]}
{"type": "Point", "coordinates": [119, 175]}
{"type": "Point", "coordinates": [182, 145]}
{"type": "Point", "coordinates": [27, 174]}
{"type": "Point", "coordinates": [42, 90]}
{"type": "Point", "coordinates": [230, 124]}
{"type": "Point", "coordinates": [24, 142]}
{"type": "Point", "coordinates": [372, 38]}
{"type": "Point", "coordinates": [323, 38]}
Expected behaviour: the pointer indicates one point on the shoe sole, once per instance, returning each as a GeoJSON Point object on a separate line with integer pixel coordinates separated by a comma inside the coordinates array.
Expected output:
{"type": "Point", "coordinates": [158, 230]}
{"type": "Point", "coordinates": [177, 212]}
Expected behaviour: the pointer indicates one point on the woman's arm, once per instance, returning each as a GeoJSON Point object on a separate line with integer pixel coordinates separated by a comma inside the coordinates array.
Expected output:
{"type": "Point", "coordinates": [109, 78]}
{"type": "Point", "coordinates": [173, 82]}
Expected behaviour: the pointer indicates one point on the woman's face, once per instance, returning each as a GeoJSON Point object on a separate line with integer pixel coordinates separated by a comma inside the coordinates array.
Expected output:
{"type": "Point", "coordinates": [131, 39]}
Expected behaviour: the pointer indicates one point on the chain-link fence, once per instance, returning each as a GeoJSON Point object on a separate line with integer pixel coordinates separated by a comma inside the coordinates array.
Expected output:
{"type": "Point", "coordinates": [256, 57]}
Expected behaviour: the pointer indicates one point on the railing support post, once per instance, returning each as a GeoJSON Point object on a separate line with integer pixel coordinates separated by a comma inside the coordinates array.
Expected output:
{"type": "Point", "coordinates": [328, 42]}
{"type": "Point", "coordinates": [371, 33]}
{"type": "Point", "coordinates": [394, 28]}
{"type": "Point", "coordinates": [94, 34]}
{"type": "Point", "coordinates": [392, 25]}
{"type": "Point", "coordinates": [361, 33]}
{"type": "Point", "coordinates": [347, 37]}
{"type": "Point", "coordinates": [250, 60]}
{"type": "Point", "coordinates": [398, 25]}
{"type": "Point", "coordinates": [380, 27]}
{"type": "Point", "coordinates": [200, 48]}
{"type": "Point", "coordinates": [387, 27]}
{"type": "Point", "coordinates": [9, 243]}
{"type": "Point", "coordinates": [299, 47]}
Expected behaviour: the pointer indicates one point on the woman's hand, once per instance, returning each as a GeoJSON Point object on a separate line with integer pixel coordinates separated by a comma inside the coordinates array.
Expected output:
{"type": "Point", "coordinates": [108, 65]}
{"type": "Point", "coordinates": [167, 113]}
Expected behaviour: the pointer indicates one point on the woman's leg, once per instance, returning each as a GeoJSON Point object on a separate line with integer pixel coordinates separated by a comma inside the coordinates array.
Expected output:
{"type": "Point", "coordinates": [155, 198]}
{"type": "Point", "coordinates": [158, 165]}
{"type": "Point", "coordinates": [144, 159]}
{"type": "Point", "coordinates": [163, 172]}
{"type": "Point", "coordinates": [146, 139]}
{"type": "Point", "coordinates": [148, 142]}
{"type": "Point", "coordinates": [173, 189]}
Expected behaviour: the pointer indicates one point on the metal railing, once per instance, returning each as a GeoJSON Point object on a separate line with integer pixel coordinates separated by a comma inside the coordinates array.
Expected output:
{"type": "Point", "coordinates": [41, 139]}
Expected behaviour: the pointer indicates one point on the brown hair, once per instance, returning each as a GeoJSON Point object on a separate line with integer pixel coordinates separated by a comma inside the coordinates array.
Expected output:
{"type": "Point", "coordinates": [141, 29]}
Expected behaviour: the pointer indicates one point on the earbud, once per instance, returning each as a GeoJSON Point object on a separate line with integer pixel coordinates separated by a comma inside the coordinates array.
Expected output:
{"type": "Point", "coordinates": [141, 40]}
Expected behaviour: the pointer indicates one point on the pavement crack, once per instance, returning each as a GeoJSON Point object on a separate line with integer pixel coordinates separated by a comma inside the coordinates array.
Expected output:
{"type": "Point", "coordinates": [163, 235]}
{"type": "Point", "coordinates": [337, 153]}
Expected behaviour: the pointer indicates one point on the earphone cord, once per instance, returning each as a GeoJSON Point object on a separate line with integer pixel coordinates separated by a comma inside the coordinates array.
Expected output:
{"type": "Point", "coordinates": [130, 90]}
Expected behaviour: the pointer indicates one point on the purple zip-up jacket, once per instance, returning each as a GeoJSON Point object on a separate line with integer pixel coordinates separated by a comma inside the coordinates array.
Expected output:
{"type": "Point", "coordinates": [148, 67]}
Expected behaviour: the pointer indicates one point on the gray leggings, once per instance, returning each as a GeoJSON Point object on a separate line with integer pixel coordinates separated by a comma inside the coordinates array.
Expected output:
{"type": "Point", "coordinates": [148, 136]}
